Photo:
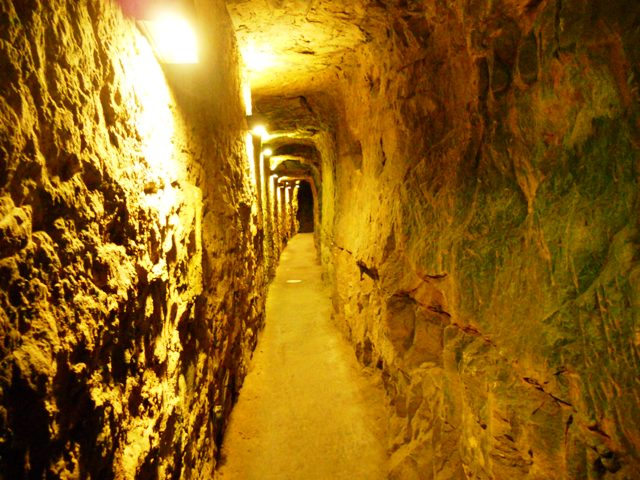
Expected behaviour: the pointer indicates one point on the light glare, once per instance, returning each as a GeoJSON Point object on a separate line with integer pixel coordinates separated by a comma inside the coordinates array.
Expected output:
{"type": "Point", "coordinates": [267, 152]}
{"type": "Point", "coordinates": [173, 38]}
{"type": "Point", "coordinates": [258, 60]}
{"type": "Point", "coordinates": [260, 131]}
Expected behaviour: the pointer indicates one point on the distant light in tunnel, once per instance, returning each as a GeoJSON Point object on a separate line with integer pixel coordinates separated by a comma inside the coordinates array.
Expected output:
{"type": "Point", "coordinates": [260, 131]}
{"type": "Point", "coordinates": [267, 152]}
{"type": "Point", "coordinates": [172, 37]}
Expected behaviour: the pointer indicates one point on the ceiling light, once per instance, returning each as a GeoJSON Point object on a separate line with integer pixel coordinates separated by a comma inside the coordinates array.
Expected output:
{"type": "Point", "coordinates": [172, 37]}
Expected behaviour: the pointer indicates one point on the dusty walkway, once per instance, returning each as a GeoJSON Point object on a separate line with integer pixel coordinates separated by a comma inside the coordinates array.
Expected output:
{"type": "Point", "coordinates": [306, 410]}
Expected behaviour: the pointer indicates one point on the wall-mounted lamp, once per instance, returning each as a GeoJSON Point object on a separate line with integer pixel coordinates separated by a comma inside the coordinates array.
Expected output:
{"type": "Point", "coordinates": [257, 126]}
{"type": "Point", "coordinates": [172, 37]}
{"type": "Point", "coordinates": [260, 131]}
{"type": "Point", "coordinates": [167, 28]}
{"type": "Point", "coordinates": [267, 152]}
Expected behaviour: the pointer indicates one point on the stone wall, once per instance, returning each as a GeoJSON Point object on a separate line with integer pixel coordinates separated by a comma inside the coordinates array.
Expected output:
{"type": "Point", "coordinates": [480, 228]}
{"type": "Point", "coordinates": [130, 287]}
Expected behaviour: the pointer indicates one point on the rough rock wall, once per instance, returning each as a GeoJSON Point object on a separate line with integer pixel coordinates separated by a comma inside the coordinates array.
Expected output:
{"type": "Point", "coordinates": [129, 290]}
{"type": "Point", "coordinates": [482, 234]}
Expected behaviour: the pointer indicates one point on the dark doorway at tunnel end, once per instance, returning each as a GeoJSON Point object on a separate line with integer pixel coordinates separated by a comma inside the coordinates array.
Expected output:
{"type": "Point", "coordinates": [305, 208]}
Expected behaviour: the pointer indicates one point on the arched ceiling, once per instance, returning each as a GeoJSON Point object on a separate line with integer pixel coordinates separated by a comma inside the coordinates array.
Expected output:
{"type": "Point", "coordinates": [294, 50]}
{"type": "Point", "coordinates": [295, 53]}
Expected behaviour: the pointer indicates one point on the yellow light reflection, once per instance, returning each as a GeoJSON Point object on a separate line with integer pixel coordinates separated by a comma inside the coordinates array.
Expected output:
{"type": "Point", "coordinates": [155, 124]}
{"type": "Point", "coordinates": [172, 37]}
{"type": "Point", "coordinates": [246, 95]}
{"type": "Point", "coordinates": [258, 59]}
{"type": "Point", "coordinates": [248, 142]}
{"type": "Point", "coordinates": [275, 162]}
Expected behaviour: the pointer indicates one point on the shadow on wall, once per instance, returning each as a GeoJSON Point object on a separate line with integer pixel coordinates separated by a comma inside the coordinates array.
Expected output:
{"type": "Point", "coordinates": [305, 208]}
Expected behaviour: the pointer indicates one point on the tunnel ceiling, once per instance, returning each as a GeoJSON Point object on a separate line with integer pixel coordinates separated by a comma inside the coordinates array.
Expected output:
{"type": "Point", "coordinates": [301, 42]}
{"type": "Point", "coordinates": [304, 45]}
{"type": "Point", "coordinates": [294, 116]}
{"type": "Point", "coordinates": [298, 52]}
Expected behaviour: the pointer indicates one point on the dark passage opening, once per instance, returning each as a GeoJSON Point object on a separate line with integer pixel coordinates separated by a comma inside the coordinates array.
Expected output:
{"type": "Point", "coordinates": [305, 208]}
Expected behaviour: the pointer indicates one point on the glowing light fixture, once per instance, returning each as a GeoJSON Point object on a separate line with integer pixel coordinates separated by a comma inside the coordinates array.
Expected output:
{"type": "Point", "coordinates": [172, 37]}
{"type": "Point", "coordinates": [258, 126]}
{"type": "Point", "coordinates": [260, 131]}
{"type": "Point", "coordinates": [267, 152]}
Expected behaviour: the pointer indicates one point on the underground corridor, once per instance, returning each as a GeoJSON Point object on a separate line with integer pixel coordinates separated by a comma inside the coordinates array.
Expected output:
{"type": "Point", "coordinates": [315, 239]}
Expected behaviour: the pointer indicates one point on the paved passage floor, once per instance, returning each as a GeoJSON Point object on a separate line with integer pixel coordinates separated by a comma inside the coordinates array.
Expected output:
{"type": "Point", "coordinates": [307, 410]}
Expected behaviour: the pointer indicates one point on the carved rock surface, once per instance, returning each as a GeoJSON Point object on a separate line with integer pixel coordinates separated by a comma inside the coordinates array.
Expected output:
{"type": "Point", "coordinates": [476, 163]}
{"type": "Point", "coordinates": [497, 200]}
{"type": "Point", "coordinates": [479, 224]}
{"type": "Point", "coordinates": [131, 289]}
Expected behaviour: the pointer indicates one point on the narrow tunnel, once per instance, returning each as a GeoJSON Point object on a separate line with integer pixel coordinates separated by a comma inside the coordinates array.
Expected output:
{"type": "Point", "coordinates": [464, 174]}
{"type": "Point", "coordinates": [305, 208]}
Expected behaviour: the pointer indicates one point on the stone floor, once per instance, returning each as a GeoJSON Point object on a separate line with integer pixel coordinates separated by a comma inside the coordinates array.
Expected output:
{"type": "Point", "coordinates": [307, 410]}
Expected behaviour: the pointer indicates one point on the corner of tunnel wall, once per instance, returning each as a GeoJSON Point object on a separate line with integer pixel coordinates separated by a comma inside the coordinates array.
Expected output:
{"type": "Point", "coordinates": [479, 229]}
{"type": "Point", "coordinates": [132, 289]}
{"type": "Point", "coordinates": [324, 236]}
